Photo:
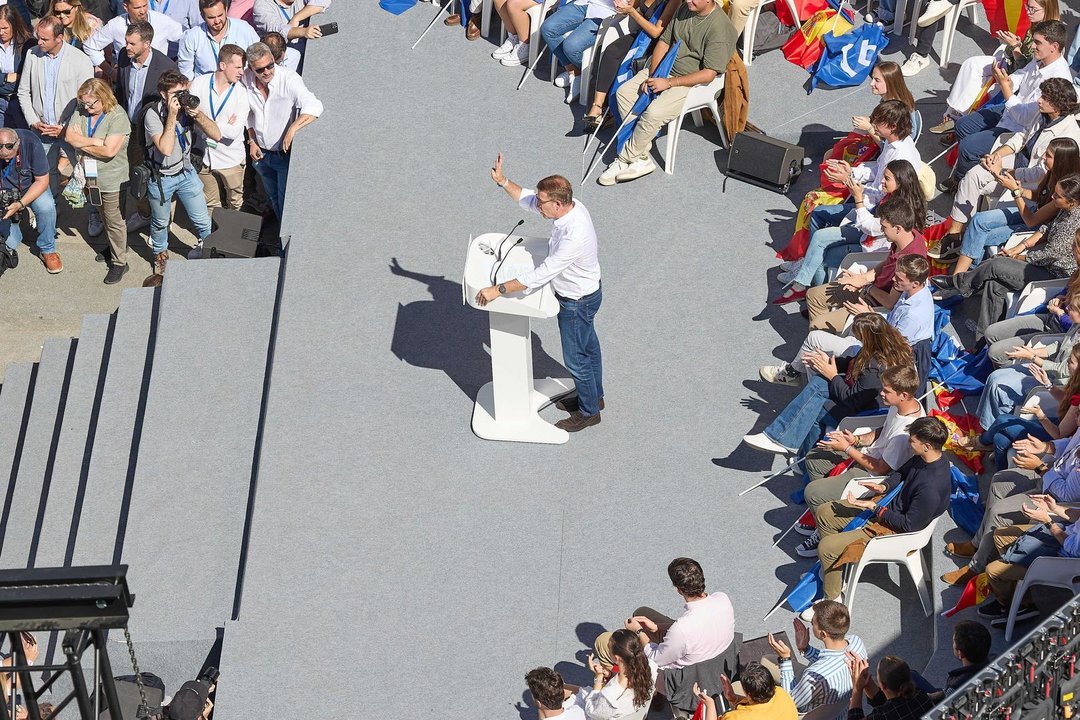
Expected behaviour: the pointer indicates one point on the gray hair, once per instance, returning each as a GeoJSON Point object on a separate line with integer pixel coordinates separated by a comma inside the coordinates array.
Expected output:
{"type": "Point", "coordinates": [258, 50]}
{"type": "Point", "coordinates": [9, 133]}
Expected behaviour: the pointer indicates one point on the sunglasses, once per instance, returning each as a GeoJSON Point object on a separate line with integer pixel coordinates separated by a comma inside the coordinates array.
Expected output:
{"type": "Point", "coordinates": [65, 13]}
{"type": "Point", "coordinates": [263, 69]}
{"type": "Point", "coordinates": [8, 146]}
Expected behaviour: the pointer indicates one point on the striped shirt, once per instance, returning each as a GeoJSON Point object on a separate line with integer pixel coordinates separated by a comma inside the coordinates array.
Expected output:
{"type": "Point", "coordinates": [827, 680]}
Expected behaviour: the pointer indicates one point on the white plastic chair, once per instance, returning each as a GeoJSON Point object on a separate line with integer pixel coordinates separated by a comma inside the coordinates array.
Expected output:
{"type": "Point", "coordinates": [905, 549]}
{"type": "Point", "coordinates": [699, 98]}
{"type": "Point", "coordinates": [952, 19]}
{"type": "Point", "coordinates": [869, 422]}
{"type": "Point", "coordinates": [827, 712]}
{"type": "Point", "coordinates": [1033, 295]}
{"type": "Point", "coordinates": [1056, 572]}
{"type": "Point", "coordinates": [611, 29]}
{"type": "Point", "coordinates": [486, 11]}
{"type": "Point", "coordinates": [869, 260]}
{"type": "Point", "coordinates": [537, 15]}
{"type": "Point", "coordinates": [750, 31]}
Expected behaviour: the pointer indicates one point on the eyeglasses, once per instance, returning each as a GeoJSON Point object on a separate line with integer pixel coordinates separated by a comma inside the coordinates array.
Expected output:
{"type": "Point", "coordinates": [8, 146]}
{"type": "Point", "coordinates": [90, 103]}
{"type": "Point", "coordinates": [263, 69]}
{"type": "Point", "coordinates": [65, 13]}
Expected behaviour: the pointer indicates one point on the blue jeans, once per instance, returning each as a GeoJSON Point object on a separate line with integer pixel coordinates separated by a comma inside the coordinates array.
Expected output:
{"type": "Point", "coordinates": [1035, 543]}
{"type": "Point", "coordinates": [805, 419]}
{"type": "Point", "coordinates": [188, 189]}
{"type": "Point", "coordinates": [581, 349]}
{"type": "Point", "coordinates": [570, 19]}
{"type": "Point", "coordinates": [1005, 389]}
{"type": "Point", "coordinates": [977, 132]}
{"type": "Point", "coordinates": [886, 11]}
{"type": "Point", "coordinates": [44, 208]}
{"type": "Point", "coordinates": [828, 216]}
{"type": "Point", "coordinates": [812, 270]}
{"type": "Point", "coordinates": [1006, 430]}
{"type": "Point", "coordinates": [990, 228]}
{"type": "Point", "coordinates": [274, 171]}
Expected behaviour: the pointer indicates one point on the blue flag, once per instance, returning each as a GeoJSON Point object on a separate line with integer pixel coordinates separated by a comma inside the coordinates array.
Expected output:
{"type": "Point", "coordinates": [626, 69]}
{"type": "Point", "coordinates": [809, 588]}
{"type": "Point", "coordinates": [848, 59]}
{"type": "Point", "coordinates": [965, 504]}
{"type": "Point", "coordinates": [466, 15]}
{"type": "Point", "coordinates": [396, 6]}
{"type": "Point", "coordinates": [967, 373]}
{"type": "Point", "coordinates": [662, 71]}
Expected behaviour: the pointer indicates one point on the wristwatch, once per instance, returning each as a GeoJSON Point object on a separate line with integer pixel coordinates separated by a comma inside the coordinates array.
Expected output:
{"type": "Point", "coordinates": [1018, 192]}
{"type": "Point", "coordinates": [502, 289]}
{"type": "Point", "coordinates": [1042, 469]}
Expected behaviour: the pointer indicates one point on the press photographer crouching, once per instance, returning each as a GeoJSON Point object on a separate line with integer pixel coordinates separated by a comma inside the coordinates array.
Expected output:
{"type": "Point", "coordinates": [24, 182]}
{"type": "Point", "coordinates": [170, 126]}
{"type": "Point", "coordinates": [192, 700]}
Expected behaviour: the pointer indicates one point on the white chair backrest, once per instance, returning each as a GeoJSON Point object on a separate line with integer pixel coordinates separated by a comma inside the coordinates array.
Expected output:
{"type": "Point", "coordinates": [826, 712]}
{"type": "Point", "coordinates": [885, 547]}
{"type": "Point", "coordinates": [859, 491]}
{"type": "Point", "coordinates": [867, 260]}
{"type": "Point", "coordinates": [860, 424]}
{"type": "Point", "coordinates": [1037, 293]}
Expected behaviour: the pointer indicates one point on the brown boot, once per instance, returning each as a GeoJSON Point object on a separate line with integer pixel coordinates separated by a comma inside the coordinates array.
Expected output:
{"type": "Point", "coordinates": [959, 577]}
{"type": "Point", "coordinates": [577, 422]}
{"type": "Point", "coordinates": [160, 261]}
{"type": "Point", "coordinates": [962, 550]}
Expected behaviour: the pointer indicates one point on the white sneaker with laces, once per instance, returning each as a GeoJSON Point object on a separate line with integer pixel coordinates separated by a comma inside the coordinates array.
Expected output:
{"type": "Point", "coordinates": [94, 225]}
{"type": "Point", "coordinates": [935, 10]}
{"type": "Point", "coordinates": [608, 177]}
{"type": "Point", "coordinates": [517, 58]}
{"type": "Point", "coordinates": [779, 374]}
{"type": "Point", "coordinates": [914, 65]}
{"type": "Point", "coordinates": [562, 79]}
{"type": "Point", "coordinates": [575, 89]}
{"type": "Point", "coordinates": [137, 222]}
{"type": "Point", "coordinates": [638, 168]}
{"type": "Point", "coordinates": [505, 49]}
{"type": "Point", "coordinates": [761, 441]}
{"type": "Point", "coordinates": [808, 547]}
{"type": "Point", "coordinates": [790, 266]}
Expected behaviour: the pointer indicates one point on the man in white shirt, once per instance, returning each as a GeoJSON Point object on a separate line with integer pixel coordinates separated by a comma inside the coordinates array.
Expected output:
{"type": "Point", "coordinates": [280, 105]}
{"type": "Point", "coordinates": [288, 17]}
{"type": "Point", "coordinates": [977, 131]}
{"type": "Point", "coordinates": [551, 696]}
{"type": "Point", "coordinates": [225, 99]}
{"type": "Point", "coordinates": [201, 45]}
{"type": "Point", "coordinates": [167, 33]}
{"type": "Point", "coordinates": [185, 12]}
{"type": "Point", "coordinates": [573, 269]}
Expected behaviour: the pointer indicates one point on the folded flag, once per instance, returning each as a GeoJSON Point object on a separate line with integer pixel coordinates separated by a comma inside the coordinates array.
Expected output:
{"type": "Point", "coordinates": [977, 590]}
{"type": "Point", "coordinates": [662, 71]}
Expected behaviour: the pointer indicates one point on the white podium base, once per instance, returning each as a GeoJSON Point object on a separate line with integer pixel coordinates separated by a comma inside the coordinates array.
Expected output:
{"type": "Point", "coordinates": [529, 427]}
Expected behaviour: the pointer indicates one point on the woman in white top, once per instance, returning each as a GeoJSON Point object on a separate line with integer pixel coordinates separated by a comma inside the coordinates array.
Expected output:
{"type": "Point", "coordinates": [629, 691]}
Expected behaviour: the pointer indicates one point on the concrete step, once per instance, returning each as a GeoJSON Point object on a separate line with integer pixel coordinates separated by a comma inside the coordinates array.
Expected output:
{"type": "Point", "coordinates": [194, 471]}
{"type": "Point", "coordinates": [39, 448]}
{"type": "Point", "coordinates": [119, 419]}
{"type": "Point", "coordinates": [16, 398]}
{"type": "Point", "coordinates": [74, 444]}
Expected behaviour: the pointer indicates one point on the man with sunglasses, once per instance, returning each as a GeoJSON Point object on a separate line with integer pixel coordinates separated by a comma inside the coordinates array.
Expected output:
{"type": "Point", "coordinates": [280, 105]}
{"type": "Point", "coordinates": [24, 168]}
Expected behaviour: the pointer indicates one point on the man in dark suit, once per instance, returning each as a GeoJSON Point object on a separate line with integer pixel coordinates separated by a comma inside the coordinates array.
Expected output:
{"type": "Point", "coordinates": [137, 75]}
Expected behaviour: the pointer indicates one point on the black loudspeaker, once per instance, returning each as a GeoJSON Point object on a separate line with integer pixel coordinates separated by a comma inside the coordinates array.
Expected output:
{"type": "Point", "coordinates": [236, 235]}
{"type": "Point", "coordinates": [765, 161]}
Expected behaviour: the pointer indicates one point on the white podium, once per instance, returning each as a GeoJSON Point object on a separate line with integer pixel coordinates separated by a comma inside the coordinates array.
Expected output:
{"type": "Point", "coordinates": [506, 408]}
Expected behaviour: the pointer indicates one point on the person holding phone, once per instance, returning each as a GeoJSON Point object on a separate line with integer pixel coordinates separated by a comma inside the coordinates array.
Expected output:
{"type": "Point", "coordinates": [763, 699]}
{"type": "Point", "coordinates": [290, 18]}
{"type": "Point", "coordinates": [100, 135]}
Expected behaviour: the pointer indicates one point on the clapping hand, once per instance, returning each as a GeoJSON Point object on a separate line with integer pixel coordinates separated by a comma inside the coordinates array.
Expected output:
{"type": "Point", "coordinates": [861, 123]}
{"type": "Point", "coordinates": [860, 672]}
{"type": "Point", "coordinates": [838, 440]}
{"type": "Point", "coordinates": [1008, 38]}
{"type": "Point", "coordinates": [1007, 180]}
{"type": "Point", "coordinates": [1037, 511]}
{"type": "Point", "coordinates": [837, 170]}
{"type": "Point", "coordinates": [1039, 373]}
{"type": "Point", "coordinates": [704, 696]}
{"type": "Point", "coordinates": [780, 648]}
{"type": "Point", "coordinates": [1023, 353]}
{"type": "Point", "coordinates": [855, 188]}
{"type": "Point", "coordinates": [599, 671]}
{"type": "Point", "coordinates": [857, 307]}
{"type": "Point", "coordinates": [1003, 80]}
{"type": "Point", "coordinates": [863, 504]}
{"type": "Point", "coordinates": [802, 635]}
{"type": "Point", "coordinates": [1031, 446]}
{"type": "Point", "coordinates": [1027, 461]}
{"type": "Point", "coordinates": [624, 7]}
{"type": "Point", "coordinates": [823, 364]}
{"type": "Point", "coordinates": [992, 163]}
{"type": "Point", "coordinates": [876, 488]}
{"type": "Point", "coordinates": [1050, 504]}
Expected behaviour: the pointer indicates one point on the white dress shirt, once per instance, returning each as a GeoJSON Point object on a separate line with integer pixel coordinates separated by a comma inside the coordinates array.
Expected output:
{"type": "Point", "coordinates": [704, 631]}
{"type": "Point", "coordinates": [597, 8]}
{"type": "Point", "coordinates": [230, 111]}
{"type": "Point", "coordinates": [1022, 109]}
{"type": "Point", "coordinates": [199, 51]}
{"type": "Point", "coordinates": [573, 263]}
{"type": "Point", "coordinates": [872, 173]}
{"type": "Point", "coordinates": [185, 12]}
{"type": "Point", "coordinates": [114, 32]}
{"type": "Point", "coordinates": [269, 117]}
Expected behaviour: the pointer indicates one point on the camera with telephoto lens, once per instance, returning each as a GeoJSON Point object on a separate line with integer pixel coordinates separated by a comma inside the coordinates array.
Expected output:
{"type": "Point", "coordinates": [209, 676]}
{"type": "Point", "coordinates": [8, 197]}
{"type": "Point", "coordinates": [187, 100]}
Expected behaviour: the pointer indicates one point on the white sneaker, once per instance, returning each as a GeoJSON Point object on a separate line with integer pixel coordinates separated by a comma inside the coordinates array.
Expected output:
{"type": "Point", "coordinates": [506, 48]}
{"type": "Point", "coordinates": [780, 374]}
{"type": "Point", "coordinates": [610, 176]}
{"type": "Point", "coordinates": [914, 65]}
{"type": "Point", "coordinates": [94, 225]}
{"type": "Point", "coordinates": [137, 222]}
{"type": "Point", "coordinates": [934, 11]}
{"type": "Point", "coordinates": [518, 57]}
{"type": "Point", "coordinates": [562, 79]}
{"type": "Point", "coordinates": [791, 266]}
{"type": "Point", "coordinates": [575, 89]}
{"type": "Point", "coordinates": [808, 547]}
{"type": "Point", "coordinates": [636, 169]}
{"type": "Point", "coordinates": [763, 442]}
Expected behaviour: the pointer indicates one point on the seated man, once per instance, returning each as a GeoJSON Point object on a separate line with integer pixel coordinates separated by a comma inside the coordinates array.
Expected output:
{"type": "Point", "coordinates": [827, 679]}
{"type": "Point", "coordinates": [831, 305]}
{"type": "Point", "coordinates": [977, 131]}
{"type": "Point", "coordinates": [879, 452]}
{"type": "Point", "coordinates": [924, 497]}
{"type": "Point", "coordinates": [549, 693]}
{"type": "Point", "coordinates": [708, 41]}
{"type": "Point", "coordinates": [569, 32]}
{"type": "Point", "coordinates": [763, 698]}
{"type": "Point", "coordinates": [971, 643]}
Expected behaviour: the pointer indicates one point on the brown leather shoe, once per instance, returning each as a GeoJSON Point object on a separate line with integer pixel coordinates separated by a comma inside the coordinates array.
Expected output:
{"type": "Point", "coordinates": [472, 30]}
{"type": "Point", "coordinates": [52, 262]}
{"type": "Point", "coordinates": [959, 577]}
{"type": "Point", "coordinates": [577, 421]}
{"type": "Point", "coordinates": [962, 550]}
{"type": "Point", "coordinates": [160, 261]}
{"type": "Point", "coordinates": [454, 19]}
{"type": "Point", "coordinates": [570, 404]}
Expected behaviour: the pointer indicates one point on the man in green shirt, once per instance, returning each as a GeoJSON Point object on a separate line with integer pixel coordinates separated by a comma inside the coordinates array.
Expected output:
{"type": "Point", "coordinates": [708, 41]}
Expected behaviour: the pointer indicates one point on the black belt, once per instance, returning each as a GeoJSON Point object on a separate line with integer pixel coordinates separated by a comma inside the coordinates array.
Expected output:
{"type": "Point", "coordinates": [583, 297]}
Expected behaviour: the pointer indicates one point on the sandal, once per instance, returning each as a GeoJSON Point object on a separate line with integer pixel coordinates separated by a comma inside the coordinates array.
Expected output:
{"type": "Point", "coordinates": [592, 122]}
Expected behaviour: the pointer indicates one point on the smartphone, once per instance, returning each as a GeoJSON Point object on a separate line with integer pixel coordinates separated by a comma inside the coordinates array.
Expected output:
{"type": "Point", "coordinates": [328, 29]}
{"type": "Point", "coordinates": [94, 194]}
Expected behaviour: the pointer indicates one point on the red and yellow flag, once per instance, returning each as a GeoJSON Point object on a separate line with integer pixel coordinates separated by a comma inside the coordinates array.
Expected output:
{"type": "Point", "coordinates": [1008, 15]}
{"type": "Point", "coordinates": [977, 590]}
{"type": "Point", "coordinates": [968, 426]}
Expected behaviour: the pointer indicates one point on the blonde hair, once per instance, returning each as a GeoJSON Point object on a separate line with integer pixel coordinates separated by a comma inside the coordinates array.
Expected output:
{"type": "Point", "coordinates": [101, 90]}
{"type": "Point", "coordinates": [80, 28]}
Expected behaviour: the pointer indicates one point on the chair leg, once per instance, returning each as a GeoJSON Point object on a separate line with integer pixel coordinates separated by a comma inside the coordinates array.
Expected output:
{"type": "Point", "coordinates": [1018, 597]}
{"type": "Point", "coordinates": [916, 566]}
{"type": "Point", "coordinates": [714, 107]}
{"type": "Point", "coordinates": [672, 144]}
{"type": "Point", "coordinates": [748, 36]}
{"type": "Point", "coordinates": [898, 21]}
{"type": "Point", "coordinates": [696, 117]}
{"type": "Point", "coordinates": [851, 584]}
{"type": "Point", "coordinates": [485, 19]}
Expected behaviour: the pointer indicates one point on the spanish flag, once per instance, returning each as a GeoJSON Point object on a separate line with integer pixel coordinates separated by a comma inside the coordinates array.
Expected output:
{"type": "Point", "coordinates": [977, 590]}
{"type": "Point", "coordinates": [1007, 15]}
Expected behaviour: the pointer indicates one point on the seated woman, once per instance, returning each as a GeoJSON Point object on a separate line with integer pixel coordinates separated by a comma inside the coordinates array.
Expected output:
{"type": "Point", "coordinates": [887, 82]}
{"type": "Point", "coordinates": [895, 682]}
{"type": "Point", "coordinates": [1026, 151]}
{"type": "Point", "coordinates": [860, 230]}
{"type": "Point", "coordinates": [568, 32]}
{"type": "Point", "coordinates": [608, 66]}
{"type": "Point", "coordinates": [514, 51]}
{"type": "Point", "coordinates": [614, 696]}
{"type": "Point", "coordinates": [993, 228]}
{"type": "Point", "coordinates": [1049, 253]}
{"type": "Point", "coordinates": [851, 385]}
{"type": "Point", "coordinates": [78, 23]}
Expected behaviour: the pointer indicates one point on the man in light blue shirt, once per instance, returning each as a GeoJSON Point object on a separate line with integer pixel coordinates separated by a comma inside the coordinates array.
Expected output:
{"type": "Point", "coordinates": [52, 72]}
{"type": "Point", "coordinates": [185, 12]}
{"type": "Point", "coordinates": [200, 45]}
{"type": "Point", "coordinates": [913, 313]}
{"type": "Point", "coordinates": [1073, 56]}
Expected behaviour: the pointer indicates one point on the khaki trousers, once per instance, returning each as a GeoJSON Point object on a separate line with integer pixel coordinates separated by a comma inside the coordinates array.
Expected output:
{"type": "Point", "coordinates": [227, 183]}
{"type": "Point", "coordinates": [1004, 576]}
{"type": "Point", "coordinates": [825, 304]}
{"type": "Point", "coordinates": [739, 10]}
{"type": "Point", "coordinates": [664, 108]}
{"type": "Point", "coordinates": [602, 645]}
{"type": "Point", "coordinates": [831, 518]}
{"type": "Point", "coordinates": [115, 227]}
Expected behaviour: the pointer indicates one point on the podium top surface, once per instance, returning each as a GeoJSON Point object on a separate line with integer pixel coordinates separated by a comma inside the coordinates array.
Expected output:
{"type": "Point", "coordinates": [511, 257]}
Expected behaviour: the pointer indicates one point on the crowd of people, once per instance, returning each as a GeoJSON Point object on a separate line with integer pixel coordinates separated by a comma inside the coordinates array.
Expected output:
{"type": "Point", "coordinates": [122, 109]}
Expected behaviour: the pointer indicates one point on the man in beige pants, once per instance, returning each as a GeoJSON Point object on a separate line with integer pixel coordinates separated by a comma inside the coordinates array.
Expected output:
{"type": "Point", "coordinates": [708, 40]}
{"type": "Point", "coordinates": [223, 97]}
{"type": "Point", "coordinates": [739, 10]}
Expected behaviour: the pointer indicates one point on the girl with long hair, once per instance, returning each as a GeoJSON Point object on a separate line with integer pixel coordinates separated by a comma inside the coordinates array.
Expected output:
{"type": "Point", "coordinates": [615, 696]}
{"type": "Point", "coordinates": [850, 384]}
{"type": "Point", "coordinates": [78, 24]}
{"type": "Point", "coordinates": [15, 39]}
{"type": "Point", "coordinates": [887, 83]}
{"type": "Point", "coordinates": [894, 680]}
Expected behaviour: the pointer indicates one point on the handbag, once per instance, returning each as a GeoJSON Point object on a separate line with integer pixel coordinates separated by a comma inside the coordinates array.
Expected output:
{"type": "Point", "coordinates": [141, 176]}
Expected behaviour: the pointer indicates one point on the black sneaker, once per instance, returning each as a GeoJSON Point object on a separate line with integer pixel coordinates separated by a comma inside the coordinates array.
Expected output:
{"type": "Point", "coordinates": [1023, 614]}
{"type": "Point", "coordinates": [115, 273]}
{"type": "Point", "coordinates": [570, 404]}
{"type": "Point", "coordinates": [948, 248]}
{"type": "Point", "coordinates": [992, 609]}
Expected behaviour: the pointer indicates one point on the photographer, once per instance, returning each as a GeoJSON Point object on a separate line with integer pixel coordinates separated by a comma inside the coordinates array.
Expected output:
{"type": "Point", "coordinates": [191, 701]}
{"type": "Point", "coordinates": [24, 182]}
{"type": "Point", "coordinates": [170, 131]}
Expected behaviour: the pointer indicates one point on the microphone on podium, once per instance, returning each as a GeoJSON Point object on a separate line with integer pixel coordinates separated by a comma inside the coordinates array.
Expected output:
{"type": "Point", "coordinates": [499, 256]}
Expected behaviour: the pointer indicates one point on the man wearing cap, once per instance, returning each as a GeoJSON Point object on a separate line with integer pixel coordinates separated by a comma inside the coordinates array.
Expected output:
{"type": "Point", "coordinates": [191, 702]}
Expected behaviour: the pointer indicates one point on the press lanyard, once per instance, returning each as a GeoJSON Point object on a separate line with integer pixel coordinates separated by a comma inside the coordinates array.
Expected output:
{"type": "Point", "coordinates": [11, 164]}
{"type": "Point", "coordinates": [288, 18]}
{"type": "Point", "coordinates": [91, 130]}
{"type": "Point", "coordinates": [180, 137]}
{"type": "Point", "coordinates": [224, 101]}
{"type": "Point", "coordinates": [164, 8]}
